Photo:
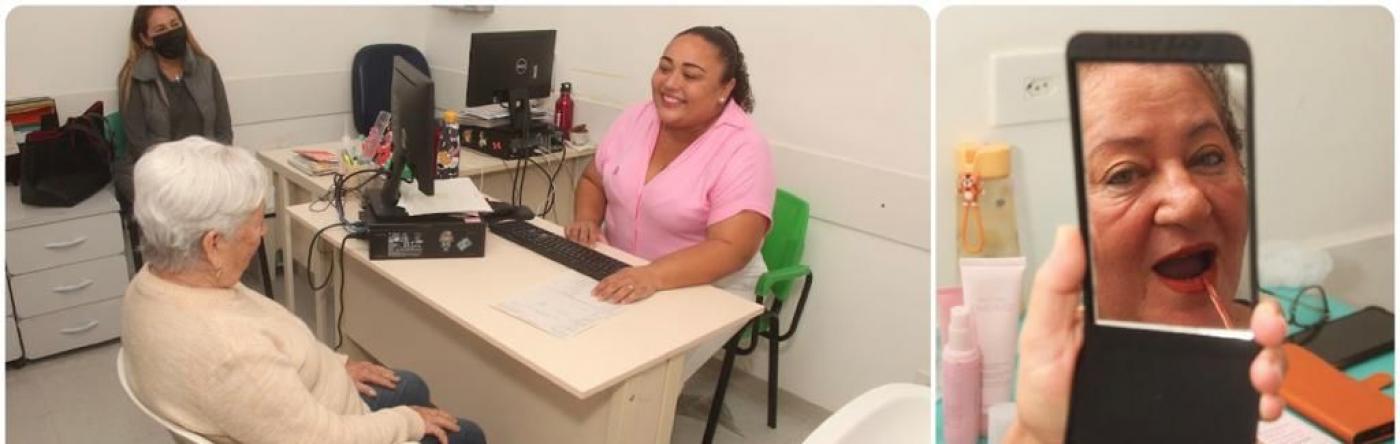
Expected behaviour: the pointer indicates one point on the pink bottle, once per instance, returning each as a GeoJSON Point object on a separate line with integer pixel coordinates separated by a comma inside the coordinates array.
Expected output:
{"type": "Point", "coordinates": [961, 375]}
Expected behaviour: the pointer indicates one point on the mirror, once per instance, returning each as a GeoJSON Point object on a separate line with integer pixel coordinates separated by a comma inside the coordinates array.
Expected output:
{"type": "Point", "coordinates": [1163, 159]}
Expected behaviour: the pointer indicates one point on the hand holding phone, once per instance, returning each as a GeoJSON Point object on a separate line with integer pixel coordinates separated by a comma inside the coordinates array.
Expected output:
{"type": "Point", "coordinates": [1052, 339]}
{"type": "Point", "coordinates": [1163, 157]}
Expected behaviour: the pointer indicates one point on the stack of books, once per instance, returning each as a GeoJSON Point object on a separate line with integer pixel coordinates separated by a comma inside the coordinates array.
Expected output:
{"type": "Point", "coordinates": [27, 114]}
{"type": "Point", "coordinates": [315, 162]}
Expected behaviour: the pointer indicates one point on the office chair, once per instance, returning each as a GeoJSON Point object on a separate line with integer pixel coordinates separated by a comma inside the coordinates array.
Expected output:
{"type": "Point", "coordinates": [178, 433]}
{"type": "Point", "coordinates": [370, 77]}
{"type": "Point", "coordinates": [115, 132]}
{"type": "Point", "coordinates": [782, 252]}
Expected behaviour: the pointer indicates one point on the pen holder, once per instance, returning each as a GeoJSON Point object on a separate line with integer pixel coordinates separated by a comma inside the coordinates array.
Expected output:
{"type": "Point", "coordinates": [985, 205]}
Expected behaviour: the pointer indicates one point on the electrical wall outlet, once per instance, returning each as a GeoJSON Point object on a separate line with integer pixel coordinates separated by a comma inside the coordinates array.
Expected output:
{"type": "Point", "coordinates": [1028, 87]}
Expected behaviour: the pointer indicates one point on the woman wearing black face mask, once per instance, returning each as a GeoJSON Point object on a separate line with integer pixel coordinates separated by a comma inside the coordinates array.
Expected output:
{"type": "Point", "coordinates": [168, 89]}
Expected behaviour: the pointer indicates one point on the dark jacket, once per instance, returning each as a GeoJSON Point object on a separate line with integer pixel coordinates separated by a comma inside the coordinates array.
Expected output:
{"type": "Point", "coordinates": [146, 111]}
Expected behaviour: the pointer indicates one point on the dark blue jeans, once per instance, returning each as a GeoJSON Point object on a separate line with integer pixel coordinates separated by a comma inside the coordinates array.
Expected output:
{"type": "Point", "coordinates": [411, 390]}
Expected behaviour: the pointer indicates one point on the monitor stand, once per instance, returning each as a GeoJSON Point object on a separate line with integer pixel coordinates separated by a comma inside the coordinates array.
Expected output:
{"type": "Point", "coordinates": [518, 102]}
{"type": "Point", "coordinates": [375, 208]}
{"type": "Point", "coordinates": [383, 208]}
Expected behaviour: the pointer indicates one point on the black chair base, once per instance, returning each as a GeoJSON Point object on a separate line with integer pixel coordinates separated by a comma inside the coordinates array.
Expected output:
{"type": "Point", "coordinates": [771, 332]}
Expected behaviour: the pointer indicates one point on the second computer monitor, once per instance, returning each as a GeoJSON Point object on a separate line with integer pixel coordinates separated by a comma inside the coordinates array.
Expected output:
{"type": "Point", "coordinates": [503, 64]}
{"type": "Point", "coordinates": [411, 106]}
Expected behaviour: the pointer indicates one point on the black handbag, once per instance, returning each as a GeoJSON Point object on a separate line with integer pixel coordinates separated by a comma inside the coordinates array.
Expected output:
{"type": "Point", "coordinates": [63, 167]}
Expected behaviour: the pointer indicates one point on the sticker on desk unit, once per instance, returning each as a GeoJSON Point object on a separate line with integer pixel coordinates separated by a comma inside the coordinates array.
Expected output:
{"type": "Point", "coordinates": [445, 240]}
{"type": "Point", "coordinates": [404, 244]}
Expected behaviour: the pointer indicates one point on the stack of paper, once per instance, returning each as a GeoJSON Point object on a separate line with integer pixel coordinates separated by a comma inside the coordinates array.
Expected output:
{"type": "Point", "coordinates": [311, 167]}
{"type": "Point", "coordinates": [563, 306]}
{"type": "Point", "coordinates": [1289, 429]}
{"type": "Point", "coordinates": [449, 196]}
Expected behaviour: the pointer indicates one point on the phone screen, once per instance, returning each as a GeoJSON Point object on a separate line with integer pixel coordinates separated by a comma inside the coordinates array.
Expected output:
{"type": "Point", "coordinates": [1163, 156]}
{"type": "Point", "coordinates": [1350, 339]}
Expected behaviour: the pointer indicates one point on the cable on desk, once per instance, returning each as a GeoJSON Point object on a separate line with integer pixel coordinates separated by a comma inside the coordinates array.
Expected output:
{"type": "Point", "coordinates": [548, 205]}
{"type": "Point", "coordinates": [517, 192]}
{"type": "Point", "coordinates": [310, 259]}
{"type": "Point", "coordinates": [340, 297]}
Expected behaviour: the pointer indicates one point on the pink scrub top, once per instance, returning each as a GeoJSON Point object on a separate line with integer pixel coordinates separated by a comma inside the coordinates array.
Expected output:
{"type": "Point", "coordinates": [728, 169]}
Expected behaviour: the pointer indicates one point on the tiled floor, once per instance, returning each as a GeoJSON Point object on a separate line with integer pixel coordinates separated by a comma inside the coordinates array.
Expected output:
{"type": "Point", "coordinates": [71, 398]}
{"type": "Point", "coordinates": [748, 404]}
{"type": "Point", "coordinates": [75, 398]}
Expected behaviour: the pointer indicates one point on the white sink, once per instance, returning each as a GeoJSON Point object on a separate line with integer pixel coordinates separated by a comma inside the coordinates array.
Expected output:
{"type": "Point", "coordinates": [889, 414]}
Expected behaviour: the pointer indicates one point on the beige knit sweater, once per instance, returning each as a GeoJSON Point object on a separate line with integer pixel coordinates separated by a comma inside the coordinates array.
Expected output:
{"type": "Point", "coordinates": [234, 366]}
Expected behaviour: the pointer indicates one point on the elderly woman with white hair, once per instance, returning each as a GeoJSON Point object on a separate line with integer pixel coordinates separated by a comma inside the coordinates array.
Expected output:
{"type": "Point", "coordinates": [223, 361]}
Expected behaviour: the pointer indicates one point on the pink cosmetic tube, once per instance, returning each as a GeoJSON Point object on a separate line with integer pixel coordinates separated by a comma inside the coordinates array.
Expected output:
{"type": "Point", "coordinates": [992, 290]}
{"type": "Point", "coordinates": [960, 372]}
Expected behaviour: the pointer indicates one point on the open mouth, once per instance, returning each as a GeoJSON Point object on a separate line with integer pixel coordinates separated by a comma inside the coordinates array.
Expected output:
{"type": "Point", "coordinates": [1184, 271]}
{"type": "Point", "coordinates": [669, 100]}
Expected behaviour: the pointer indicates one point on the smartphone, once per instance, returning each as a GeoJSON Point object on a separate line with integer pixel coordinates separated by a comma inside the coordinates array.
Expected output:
{"type": "Point", "coordinates": [1348, 340]}
{"type": "Point", "coordinates": [1162, 128]}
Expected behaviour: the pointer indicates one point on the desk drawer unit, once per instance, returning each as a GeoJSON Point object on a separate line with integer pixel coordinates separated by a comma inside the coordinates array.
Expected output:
{"type": "Point", "coordinates": [72, 328]}
{"type": "Point", "coordinates": [66, 286]}
{"type": "Point", "coordinates": [45, 246]}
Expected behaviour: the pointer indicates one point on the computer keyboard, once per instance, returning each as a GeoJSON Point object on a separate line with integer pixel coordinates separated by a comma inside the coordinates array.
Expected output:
{"type": "Point", "coordinates": [558, 249]}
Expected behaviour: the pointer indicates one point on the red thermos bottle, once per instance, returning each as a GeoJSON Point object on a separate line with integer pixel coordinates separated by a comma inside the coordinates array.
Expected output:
{"type": "Point", "coordinates": [564, 110]}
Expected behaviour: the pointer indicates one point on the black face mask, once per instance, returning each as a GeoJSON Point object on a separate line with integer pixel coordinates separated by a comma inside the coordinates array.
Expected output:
{"type": "Point", "coordinates": [171, 45]}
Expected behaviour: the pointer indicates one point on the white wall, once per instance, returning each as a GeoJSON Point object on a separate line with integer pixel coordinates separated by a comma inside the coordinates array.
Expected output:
{"type": "Point", "coordinates": [287, 69]}
{"type": "Point", "coordinates": [843, 96]}
{"type": "Point", "coordinates": [1324, 115]}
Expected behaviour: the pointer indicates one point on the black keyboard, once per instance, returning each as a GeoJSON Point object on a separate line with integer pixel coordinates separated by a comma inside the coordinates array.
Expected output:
{"type": "Point", "coordinates": [558, 249]}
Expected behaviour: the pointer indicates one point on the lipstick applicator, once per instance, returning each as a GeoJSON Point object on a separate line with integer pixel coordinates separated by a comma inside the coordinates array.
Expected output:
{"type": "Point", "coordinates": [1215, 301]}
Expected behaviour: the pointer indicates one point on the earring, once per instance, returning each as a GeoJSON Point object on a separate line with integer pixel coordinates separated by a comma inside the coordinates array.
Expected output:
{"type": "Point", "coordinates": [722, 100]}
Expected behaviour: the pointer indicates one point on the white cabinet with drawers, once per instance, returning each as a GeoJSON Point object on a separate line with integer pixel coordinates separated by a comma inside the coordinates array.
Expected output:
{"type": "Point", "coordinates": [67, 270]}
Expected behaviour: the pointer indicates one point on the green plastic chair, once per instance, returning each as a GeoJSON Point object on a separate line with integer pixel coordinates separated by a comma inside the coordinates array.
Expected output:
{"type": "Point", "coordinates": [782, 252]}
{"type": "Point", "coordinates": [116, 135]}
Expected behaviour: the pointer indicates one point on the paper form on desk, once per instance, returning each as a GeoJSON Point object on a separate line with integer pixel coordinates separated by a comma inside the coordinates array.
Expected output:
{"type": "Point", "coordinates": [563, 306]}
{"type": "Point", "coordinates": [449, 196]}
{"type": "Point", "coordinates": [1289, 429]}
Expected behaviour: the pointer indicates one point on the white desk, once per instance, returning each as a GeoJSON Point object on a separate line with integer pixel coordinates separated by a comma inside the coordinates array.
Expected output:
{"type": "Point", "coordinates": [615, 383]}
{"type": "Point", "coordinates": [492, 175]}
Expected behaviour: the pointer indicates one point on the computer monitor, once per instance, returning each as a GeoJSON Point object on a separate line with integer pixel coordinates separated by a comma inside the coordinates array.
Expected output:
{"type": "Point", "coordinates": [411, 105]}
{"type": "Point", "coordinates": [507, 66]}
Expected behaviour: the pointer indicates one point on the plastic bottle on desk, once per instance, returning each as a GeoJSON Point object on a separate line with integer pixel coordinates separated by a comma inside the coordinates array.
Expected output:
{"type": "Point", "coordinates": [564, 110]}
{"type": "Point", "coordinates": [449, 146]}
{"type": "Point", "coordinates": [961, 374]}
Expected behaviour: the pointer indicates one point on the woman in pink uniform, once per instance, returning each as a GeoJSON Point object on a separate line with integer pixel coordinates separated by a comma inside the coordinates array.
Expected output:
{"type": "Point", "coordinates": [684, 180]}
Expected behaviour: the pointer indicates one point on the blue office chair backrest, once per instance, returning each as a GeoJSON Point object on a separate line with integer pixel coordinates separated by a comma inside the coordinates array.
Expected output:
{"type": "Point", "coordinates": [370, 76]}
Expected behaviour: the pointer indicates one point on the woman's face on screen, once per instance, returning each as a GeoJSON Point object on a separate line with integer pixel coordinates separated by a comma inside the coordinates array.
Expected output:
{"type": "Point", "coordinates": [1166, 193]}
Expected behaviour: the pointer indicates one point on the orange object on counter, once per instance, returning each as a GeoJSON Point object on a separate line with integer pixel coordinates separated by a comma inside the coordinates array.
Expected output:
{"type": "Point", "coordinates": [1353, 411]}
